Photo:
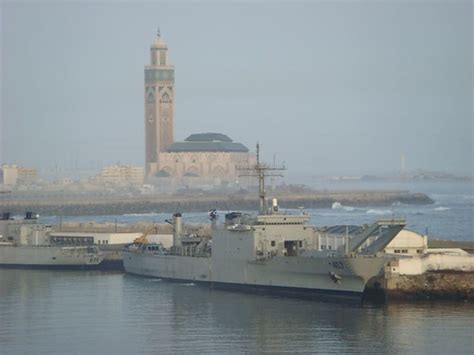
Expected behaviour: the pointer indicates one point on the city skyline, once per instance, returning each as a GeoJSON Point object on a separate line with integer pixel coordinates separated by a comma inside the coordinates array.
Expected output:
{"type": "Point", "coordinates": [329, 88]}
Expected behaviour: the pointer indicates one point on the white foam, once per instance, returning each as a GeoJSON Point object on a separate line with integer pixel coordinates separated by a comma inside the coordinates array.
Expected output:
{"type": "Point", "coordinates": [338, 206]}
{"type": "Point", "coordinates": [441, 208]}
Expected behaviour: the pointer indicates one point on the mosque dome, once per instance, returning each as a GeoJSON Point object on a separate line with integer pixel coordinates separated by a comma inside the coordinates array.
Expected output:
{"type": "Point", "coordinates": [208, 137]}
{"type": "Point", "coordinates": [208, 142]}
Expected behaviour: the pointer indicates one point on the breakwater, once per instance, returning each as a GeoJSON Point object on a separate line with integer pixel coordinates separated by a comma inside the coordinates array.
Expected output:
{"type": "Point", "coordinates": [108, 205]}
{"type": "Point", "coordinates": [431, 285]}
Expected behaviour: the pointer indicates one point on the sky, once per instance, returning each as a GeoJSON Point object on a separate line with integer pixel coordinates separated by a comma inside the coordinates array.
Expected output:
{"type": "Point", "coordinates": [329, 87]}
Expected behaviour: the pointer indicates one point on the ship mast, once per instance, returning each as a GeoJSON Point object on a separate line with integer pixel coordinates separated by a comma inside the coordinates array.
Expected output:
{"type": "Point", "coordinates": [261, 171]}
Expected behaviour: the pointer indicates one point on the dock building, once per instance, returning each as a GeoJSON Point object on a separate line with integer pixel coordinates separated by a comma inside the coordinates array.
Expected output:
{"type": "Point", "coordinates": [406, 242]}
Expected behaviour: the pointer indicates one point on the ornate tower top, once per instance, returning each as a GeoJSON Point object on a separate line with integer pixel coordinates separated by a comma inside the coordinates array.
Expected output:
{"type": "Point", "coordinates": [159, 43]}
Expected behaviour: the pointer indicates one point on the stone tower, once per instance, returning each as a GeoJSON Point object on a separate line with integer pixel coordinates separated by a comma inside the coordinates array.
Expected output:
{"type": "Point", "coordinates": [159, 105]}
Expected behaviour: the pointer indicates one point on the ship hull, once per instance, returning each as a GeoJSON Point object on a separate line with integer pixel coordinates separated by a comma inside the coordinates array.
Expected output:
{"type": "Point", "coordinates": [288, 276]}
{"type": "Point", "coordinates": [47, 257]}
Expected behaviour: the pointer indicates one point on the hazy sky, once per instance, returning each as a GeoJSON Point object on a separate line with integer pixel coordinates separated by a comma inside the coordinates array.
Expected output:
{"type": "Point", "coordinates": [330, 86]}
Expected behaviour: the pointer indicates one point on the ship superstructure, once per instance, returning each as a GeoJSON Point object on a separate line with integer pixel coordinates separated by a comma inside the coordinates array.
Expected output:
{"type": "Point", "coordinates": [272, 251]}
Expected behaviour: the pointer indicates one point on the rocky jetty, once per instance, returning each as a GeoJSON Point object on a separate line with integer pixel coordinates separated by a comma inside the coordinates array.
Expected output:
{"type": "Point", "coordinates": [76, 205]}
{"type": "Point", "coordinates": [432, 285]}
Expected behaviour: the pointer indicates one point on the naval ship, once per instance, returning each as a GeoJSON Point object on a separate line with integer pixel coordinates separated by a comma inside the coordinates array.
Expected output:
{"type": "Point", "coordinates": [272, 252]}
{"type": "Point", "coordinates": [26, 243]}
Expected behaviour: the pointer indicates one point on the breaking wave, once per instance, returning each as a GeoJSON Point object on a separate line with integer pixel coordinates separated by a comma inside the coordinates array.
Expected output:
{"type": "Point", "coordinates": [154, 280]}
{"type": "Point", "coordinates": [189, 284]}
{"type": "Point", "coordinates": [441, 208]}
{"type": "Point", "coordinates": [378, 212]}
{"type": "Point", "coordinates": [338, 206]}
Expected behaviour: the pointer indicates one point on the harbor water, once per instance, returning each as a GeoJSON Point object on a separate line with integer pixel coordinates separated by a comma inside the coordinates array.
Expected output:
{"type": "Point", "coordinates": [85, 312]}
{"type": "Point", "coordinates": [58, 312]}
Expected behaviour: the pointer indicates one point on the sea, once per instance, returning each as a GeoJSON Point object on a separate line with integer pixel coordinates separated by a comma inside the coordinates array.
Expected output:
{"type": "Point", "coordinates": [450, 217]}
{"type": "Point", "coordinates": [92, 312]}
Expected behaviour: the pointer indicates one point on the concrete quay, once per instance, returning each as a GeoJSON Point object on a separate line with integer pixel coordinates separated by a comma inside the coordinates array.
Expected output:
{"type": "Point", "coordinates": [445, 273]}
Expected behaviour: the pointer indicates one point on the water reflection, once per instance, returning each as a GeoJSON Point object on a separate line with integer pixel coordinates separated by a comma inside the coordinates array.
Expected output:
{"type": "Point", "coordinates": [59, 312]}
{"type": "Point", "coordinates": [221, 321]}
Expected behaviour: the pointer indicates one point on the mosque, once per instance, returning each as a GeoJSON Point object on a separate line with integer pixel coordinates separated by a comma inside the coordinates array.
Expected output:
{"type": "Point", "coordinates": [211, 157]}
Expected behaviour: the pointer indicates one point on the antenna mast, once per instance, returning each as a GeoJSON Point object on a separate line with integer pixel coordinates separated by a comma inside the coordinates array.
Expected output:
{"type": "Point", "coordinates": [261, 171]}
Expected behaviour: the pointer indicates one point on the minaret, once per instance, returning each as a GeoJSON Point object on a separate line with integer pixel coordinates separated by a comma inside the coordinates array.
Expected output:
{"type": "Point", "coordinates": [159, 105]}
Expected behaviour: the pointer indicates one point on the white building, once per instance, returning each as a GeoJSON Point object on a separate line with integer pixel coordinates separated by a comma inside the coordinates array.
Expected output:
{"type": "Point", "coordinates": [121, 175]}
{"type": "Point", "coordinates": [408, 242]}
{"type": "Point", "coordinates": [14, 175]}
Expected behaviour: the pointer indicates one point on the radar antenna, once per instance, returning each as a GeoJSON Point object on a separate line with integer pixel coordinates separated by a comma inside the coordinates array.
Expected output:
{"type": "Point", "coordinates": [261, 171]}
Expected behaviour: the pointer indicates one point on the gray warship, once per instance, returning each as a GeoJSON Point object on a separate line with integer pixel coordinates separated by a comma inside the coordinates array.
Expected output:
{"type": "Point", "coordinates": [26, 243]}
{"type": "Point", "coordinates": [272, 252]}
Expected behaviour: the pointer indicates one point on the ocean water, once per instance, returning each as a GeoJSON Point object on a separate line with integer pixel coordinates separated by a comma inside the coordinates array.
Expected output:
{"type": "Point", "coordinates": [450, 217]}
{"type": "Point", "coordinates": [58, 312]}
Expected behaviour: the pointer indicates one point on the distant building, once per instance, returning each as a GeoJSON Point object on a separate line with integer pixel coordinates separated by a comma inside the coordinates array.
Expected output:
{"type": "Point", "coordinates": [14, 175]}
{"type": "Point", "coordinates": [121, 175]}
{"type": "Point", "coordinates": [206, 157]}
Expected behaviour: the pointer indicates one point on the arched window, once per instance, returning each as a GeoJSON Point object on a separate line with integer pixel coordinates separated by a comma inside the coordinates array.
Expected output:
{"type": "Point", "coordinates": [162, 58]}
{"type": "Point", "coordinates": [218, 171]}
